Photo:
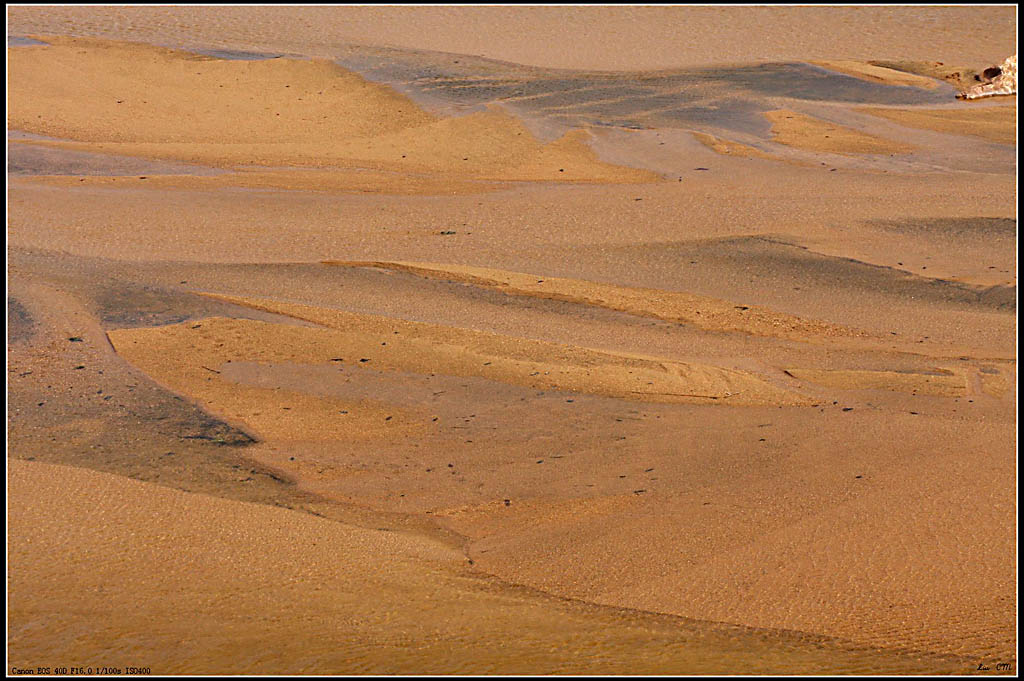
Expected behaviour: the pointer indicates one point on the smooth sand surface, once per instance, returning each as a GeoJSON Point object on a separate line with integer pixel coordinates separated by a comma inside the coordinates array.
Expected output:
{"type": "Point", "coordinates": [470, 366]}
{"type": "Point", "coordinates": [564, 37]}
{"type": "Point", "coordinates": [996, 123]}
{"type": "Point", "coordinates": [806, 132]}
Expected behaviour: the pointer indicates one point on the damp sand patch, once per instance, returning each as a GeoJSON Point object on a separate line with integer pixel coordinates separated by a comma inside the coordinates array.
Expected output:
{"type": "Point", "coordinates": [27, 159]}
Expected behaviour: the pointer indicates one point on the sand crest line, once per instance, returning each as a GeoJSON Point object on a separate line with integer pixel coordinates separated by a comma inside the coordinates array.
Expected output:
{"type": "Point", "coordinates": [673, 306]}
{"type": "Point", "coordinates": [421, 347]}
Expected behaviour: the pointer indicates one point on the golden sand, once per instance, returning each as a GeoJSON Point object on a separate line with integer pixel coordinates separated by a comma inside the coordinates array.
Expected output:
{"type": "Point", "coordinates": [813, 134]}
{"type": "Point", "coordinates": [231, 574]}
{"type": "Point", "coordinates": [326, 181]}
{"type": "Point", "coordinates": [730, 148]}
{"type": "Point", "coordinates": [994, 123]}
{"type": "Point", "coordinates": [276, 112]}
{"type": "Point", "coordinates": [180, 356]}
{"type": "Point", "coordinates": [942, 382]}
{"type": "Point", "coordinates": [423, 458]}
{"type": "Point", "coordinates": [994, 382]}
{"type": "Point", "coordinates": [603, 38]}
{"type": "Point", "coordinates": [703, 312]}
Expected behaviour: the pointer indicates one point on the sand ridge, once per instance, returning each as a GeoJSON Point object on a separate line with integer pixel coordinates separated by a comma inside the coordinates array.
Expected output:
{"type": "Point", "coordinates": [941, 382]}
{"type": "Point", "coordinates": [392, 344]}
{"type": "Point", "coordinates": [730, 148]}
{"type": "Point", "coordinates": [700, 311]}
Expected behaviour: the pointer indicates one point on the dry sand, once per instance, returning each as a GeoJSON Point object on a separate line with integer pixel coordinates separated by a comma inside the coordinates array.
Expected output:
{"type": "Point", "coordinates": [806, 132]}
{"type": "Point", "coordinates": [506, 369]}
{"type": "Point", "coordinates": [879, 74]}
{"type": "Point", "coordinates": [563, 37]}
{"type": "Point", "coordinates": [996, 123]}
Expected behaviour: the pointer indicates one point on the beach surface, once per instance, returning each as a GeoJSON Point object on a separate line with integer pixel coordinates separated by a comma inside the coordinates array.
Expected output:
{"type": "Point", "coordinates": [381, 340]}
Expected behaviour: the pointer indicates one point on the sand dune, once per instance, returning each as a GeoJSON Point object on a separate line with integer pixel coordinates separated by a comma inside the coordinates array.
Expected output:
{"type": "Point", "coordinates": [238, 583]}
{"type": "Point", "coordinates": [287, 396]}
{"type": "Point", "coordinates": [275, 112]}
{"type": "Point", "coordinates": [102, 91]}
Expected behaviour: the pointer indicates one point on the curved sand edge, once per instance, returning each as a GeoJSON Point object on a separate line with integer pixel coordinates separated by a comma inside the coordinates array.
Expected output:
{"type": "Point", "coordinates": [877, 74]}
{"type": "Point", "coordinates": [186, 583]}
{"type": "Point", "coordinates": [188, 357]}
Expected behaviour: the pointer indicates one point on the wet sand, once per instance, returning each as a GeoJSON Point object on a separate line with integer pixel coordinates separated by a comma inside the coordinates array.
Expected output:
{"type": "Point", "coordinates": [418, 355]}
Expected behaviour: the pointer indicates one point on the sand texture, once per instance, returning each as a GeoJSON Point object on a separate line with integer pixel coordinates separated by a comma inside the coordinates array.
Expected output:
{"type": "Point", "coordinates": [500, 340]}
{"type": "Point", "coordinates": [807, 132]}
{"type": "Point", "coordinates": [995, 123]}
{"type": "Point", "coordinates": [879, 74]}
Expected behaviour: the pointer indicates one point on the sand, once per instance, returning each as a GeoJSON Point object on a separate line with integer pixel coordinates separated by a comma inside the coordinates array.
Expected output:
{"type": "Point", "coordinates": [600, 38]}
{"type": "Point", "coordinates": [879, 74]}
{"type": "Point", "coordinates": [729, 148]}
{"type": "Point", "coordinates": [446, 358]}
{"type": "Point", "coordinates": [276, 112]}
{"type": "Point", "coordinates": [806, 132]}
{"type": "Point", "coordinates": [941, 382]}
{"type": "Point", "coordinates": [995, 123]}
